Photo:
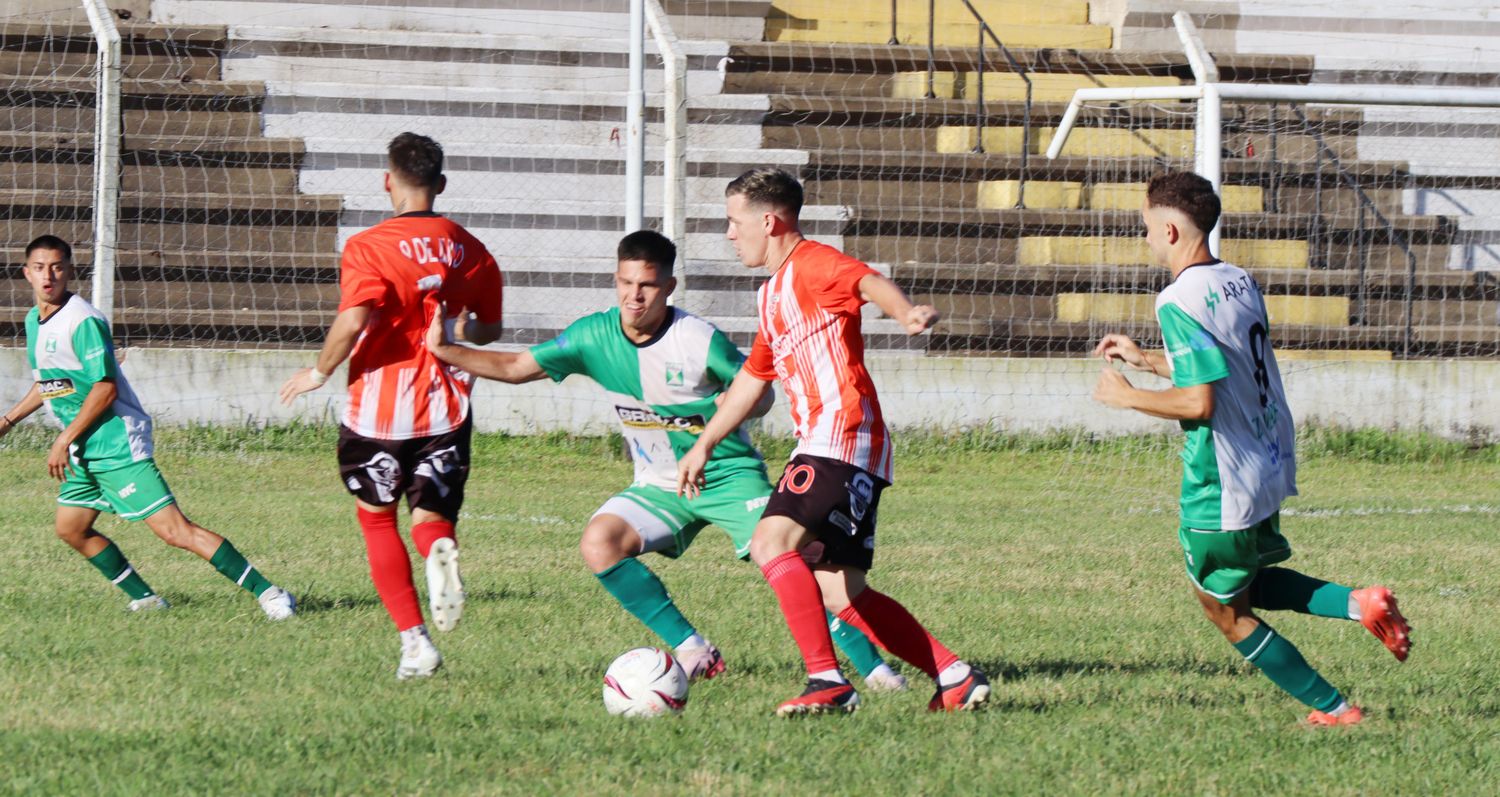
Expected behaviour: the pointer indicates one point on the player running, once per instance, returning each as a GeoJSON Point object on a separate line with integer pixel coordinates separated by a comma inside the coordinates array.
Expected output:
{"type": "Point", "coordinates": [1239, 458]}
{"type": "Point", "coordinates": [823, 509]}
{"type": "Point", "coordinates": [103, 456]}
{"type": "Point", "coordinates": [406, 426]}
{"type": "Point", "coordinates": [664, 370]}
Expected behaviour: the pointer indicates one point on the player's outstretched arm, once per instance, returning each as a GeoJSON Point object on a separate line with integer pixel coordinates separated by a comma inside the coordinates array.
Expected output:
{"type": "Point", "coordinates": [342, 335]}
{"type": "Point", "coordinates": [739, 400]}
{"type": "Point", "coordinates": [99, 399]}
{"type": "Point", "coordinates": [1194, 403]}
{"type": "Point", "coordinates": [514, 367]}
{"type": "Point", "coordinates": [892, 301]}
{"type": "Point", "coordinates": [28, 404]}
{"type": "Point", "coordinates": [1122, 348]}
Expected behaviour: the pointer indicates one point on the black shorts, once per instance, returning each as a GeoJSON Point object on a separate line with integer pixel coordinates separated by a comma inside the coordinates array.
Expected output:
{"type": "Point", "coordinates": [429, 471]}
{"type": "Point", "coordinates": [836, 503]}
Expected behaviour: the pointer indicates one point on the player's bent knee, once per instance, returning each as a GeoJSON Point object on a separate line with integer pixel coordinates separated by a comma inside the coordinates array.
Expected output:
{"type": "Point", "coordinates": [606, 543]}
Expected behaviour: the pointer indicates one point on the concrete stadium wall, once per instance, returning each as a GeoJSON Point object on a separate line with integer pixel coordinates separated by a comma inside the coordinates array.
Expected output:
{"type": "Point", "coordinates": [1453, 398]}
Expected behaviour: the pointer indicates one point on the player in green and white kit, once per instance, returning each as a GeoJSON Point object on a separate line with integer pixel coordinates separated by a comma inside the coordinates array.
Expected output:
{"type": "Point", "coordinates": [103, 454]}
{"type": "Point", "coordinates": [1239, 459]}
{"type": "Point", "coordinates": [664, 371]}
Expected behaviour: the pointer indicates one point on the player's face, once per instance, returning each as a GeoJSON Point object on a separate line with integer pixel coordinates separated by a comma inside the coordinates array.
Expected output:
{"type": "Point", "coordinates": [1156, 221]}
{"type": "Point", "coordinates": [48, 272]}
{"type": "Point", "coordinates": [748, 230]}
{"type": "Point", "coordinates": [643, 294]}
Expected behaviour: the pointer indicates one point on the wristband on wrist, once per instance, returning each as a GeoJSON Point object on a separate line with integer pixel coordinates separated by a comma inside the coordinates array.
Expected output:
{"type": "Point", "coordinates": [317, 377]}
{"type": "Point", "coordinates": [8, 421]}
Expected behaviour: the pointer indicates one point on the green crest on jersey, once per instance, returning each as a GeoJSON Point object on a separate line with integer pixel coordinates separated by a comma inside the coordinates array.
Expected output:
{"type": "Point", "coordinates": [675, 373]}
{"type": "Point", "coordinates": [51, 343]}
{"type": "Point", "coordinates": [1212, 300]}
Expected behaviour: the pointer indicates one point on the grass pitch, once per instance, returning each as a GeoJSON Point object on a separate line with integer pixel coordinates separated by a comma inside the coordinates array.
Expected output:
{"type": "Point", "coordinates": [1050, 562]}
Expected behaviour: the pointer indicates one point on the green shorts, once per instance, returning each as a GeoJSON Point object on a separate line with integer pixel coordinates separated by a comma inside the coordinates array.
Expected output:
{"type": "Point", "coordinates": [667, 523]}
{"type": "Point", "coordinates": [1223, 563]}
{"type": "Point", "coordinates": [134, 492]}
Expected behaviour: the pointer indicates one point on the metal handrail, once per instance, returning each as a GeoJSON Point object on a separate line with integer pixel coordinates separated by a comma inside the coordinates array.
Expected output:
{"type": "Point", "coordinates": [985, 31]}
{"type": "Point", "coordinates": [1359, 234]}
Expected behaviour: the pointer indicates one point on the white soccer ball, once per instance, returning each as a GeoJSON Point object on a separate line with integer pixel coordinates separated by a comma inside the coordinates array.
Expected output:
{"type": "Point", "coordinates": [645, 682]}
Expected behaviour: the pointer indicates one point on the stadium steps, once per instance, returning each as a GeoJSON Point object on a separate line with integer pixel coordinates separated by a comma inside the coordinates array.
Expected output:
{"type": "Point", "coordinates": [945, 216]}
{"type": "Point", "coordinates": [148, 52]}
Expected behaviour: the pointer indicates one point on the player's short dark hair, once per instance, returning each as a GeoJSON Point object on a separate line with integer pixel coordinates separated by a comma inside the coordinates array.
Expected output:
{"type": "Point", "coordinates": [650, 246]}
{"type": "Point", "coordinates": [416, 159]}
{"type": "Point", "coordinates": [767, 186]}
{"type": "Point", "coordinates": [1187, 192]}
{"type": "Point", "coordinates": [50, 242]}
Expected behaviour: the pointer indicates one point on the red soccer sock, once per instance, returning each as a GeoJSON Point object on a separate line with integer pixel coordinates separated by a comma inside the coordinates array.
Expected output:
{"type": "Point", "coordinates": [892, 627]}
{"type": "Point", "coordinates": [802, 606]}
{"type": "Point", "coordinates": [425, 534]}
{"type": "Point", "coordinates": [390, 567]}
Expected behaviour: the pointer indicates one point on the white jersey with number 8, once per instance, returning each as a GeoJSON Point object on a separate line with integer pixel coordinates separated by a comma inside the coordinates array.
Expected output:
{"type": "Point", "coordinates": [1239, 465]}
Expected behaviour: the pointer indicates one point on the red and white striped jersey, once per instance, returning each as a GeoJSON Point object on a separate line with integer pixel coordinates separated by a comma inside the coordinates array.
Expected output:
{"type": "Point", "coordinates": [810, 339]}
{"type": "Point", "coordinates": [403, 267]}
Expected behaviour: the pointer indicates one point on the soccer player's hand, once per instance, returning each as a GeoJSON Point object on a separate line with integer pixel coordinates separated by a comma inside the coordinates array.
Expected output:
{"type": "Point", "coordinates": [690, 471]}
{"type": "Point", "coordinates": [301, 382]}
{"type": "Point", "coordinates": [1112, 389]}
{"type": "Point", "coordinates": [57, 460]}
{"type": "Point", "coordinates": [1122, 348]}
{"type": "Point", "coordinates": [437, 334]}
{"type": "Point", "coordinates": [920, 318]}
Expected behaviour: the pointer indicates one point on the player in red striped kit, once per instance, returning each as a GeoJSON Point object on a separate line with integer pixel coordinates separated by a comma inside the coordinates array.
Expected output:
{"type": "Point", "coordinates": [816, 540]}
{"type": "Point", "coordinates": [406, 426]}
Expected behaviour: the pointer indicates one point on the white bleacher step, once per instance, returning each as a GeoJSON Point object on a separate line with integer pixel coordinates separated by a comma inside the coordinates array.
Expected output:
{"type": "Point", "coordinates": [381, 127]}
{"type": "Point", "coordinates": [603, 18]}
{"type": "Point", "coordinates": [376, 72]}
{"type": "Point", "coordinates": [381, 203]}
{"type": "Point", "coordinates": [485, 97]}
{"type": "Point", "coordinates": [529, 187]}
{"type": "Point", "coordinates": [477, 41]}
{"type": "Point", "coordinates": [457, 151]}
{"type": "Point", "coordinates": [542, 239]}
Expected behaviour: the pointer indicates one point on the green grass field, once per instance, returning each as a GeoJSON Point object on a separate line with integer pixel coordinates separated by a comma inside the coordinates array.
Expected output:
{"type": "Point", "coordinates": [1050, 562]}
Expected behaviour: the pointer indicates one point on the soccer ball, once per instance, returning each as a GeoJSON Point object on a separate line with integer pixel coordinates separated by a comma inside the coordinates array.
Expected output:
{"type": "Point", "coordinates": [645, 682]}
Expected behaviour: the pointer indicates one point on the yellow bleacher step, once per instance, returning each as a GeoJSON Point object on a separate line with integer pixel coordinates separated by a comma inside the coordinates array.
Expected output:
{"type": "Point", "coordinates": [1088, 251]}
{"type": "Point", "coordinates": [1117, 142]}
{"type": "Point", "coordinates": [1079, 37]}
{"type": "Point", "coordinates": [1001, 85]}
{"type": "Point", "coordinates": [1012, 12]}
{"type": "Point", "coordinates": [1094, 142]}
{"type": "Point", "coordinates": [1321, 311]}
{"type": "Point", "coordinates": [1039, 194]}
{"type": "Point", "coordinates": [913, 85]}
{"type": "Point", "coordinates": [1129, 196]}
{"type": "Point", "coordinates": [997, 140]}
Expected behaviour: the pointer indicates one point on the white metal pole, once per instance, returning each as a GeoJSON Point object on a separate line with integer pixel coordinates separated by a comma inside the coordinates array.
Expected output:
{"type": "Point", "coordinates": [106, 155]}
{"type": "Point", "coordinates": [635, 121]}
{"type": "Point", "coordinates": [674, 130]}
{"type": "Point", "coordinates": [1210, 157]}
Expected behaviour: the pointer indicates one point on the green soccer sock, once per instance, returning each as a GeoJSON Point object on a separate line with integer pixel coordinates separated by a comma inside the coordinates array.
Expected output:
{"type": "Point", "coordinates": [1284, 665]}
{"type": "Point", "coordinates": [228, 561]}
{"type": "Point", "coordinates": [1280, 589]}
{"type": "Point", "coordinates": [112, 563]}
{"type": "Point", "coordinates": [858, 647]}
{"type": "Point", "coordinates": [643, 595]}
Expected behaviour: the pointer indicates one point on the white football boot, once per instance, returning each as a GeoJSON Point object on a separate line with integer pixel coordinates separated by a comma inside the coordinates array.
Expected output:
{"type": "Point", "coordinates": [419, 657]}
{"type": "Point", "coordinates": [277, 603]}
{"type": "Point", "coordinates": [149, 603]}
{"type": "Point", "coordinates": [445, 590]}
{"type": "Point", "coordinates": [700, 662]}
{"type": "Point", "coordinates": [885, 679]}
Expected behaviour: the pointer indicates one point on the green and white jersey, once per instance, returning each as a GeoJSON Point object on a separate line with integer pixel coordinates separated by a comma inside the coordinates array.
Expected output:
{"type": "Point", "coordinates": [1240, 464]}
{"type": "Point", "coordinates": [69, 353]}
{"type": "Point", "coordinates": [663, 390]}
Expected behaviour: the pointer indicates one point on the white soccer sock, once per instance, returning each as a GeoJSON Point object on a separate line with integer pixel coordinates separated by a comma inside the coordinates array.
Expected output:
{"type": "Point", "coordinates": [694, 641]}
{"type": "Point", "coordinates": [1354, 612]}
{"type": "Point", "coordinates": [1339, 709]}
{"type": "Point", "coordinates": [829, 675]}
{"type": "Point", "coordinates": [411, 635]}
{"type": "Point", "coordinates": [953, 673]}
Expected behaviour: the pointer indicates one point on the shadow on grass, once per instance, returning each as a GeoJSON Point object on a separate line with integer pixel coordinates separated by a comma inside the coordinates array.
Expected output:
{"type": "Point", "coordinates": [313, 603]}
{"type": "Point", "coordinates": [1019, 671]}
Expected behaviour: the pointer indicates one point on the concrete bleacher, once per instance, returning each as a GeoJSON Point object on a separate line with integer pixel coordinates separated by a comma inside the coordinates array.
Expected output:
{"type": "Point", "coordinates": [255, 134]}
